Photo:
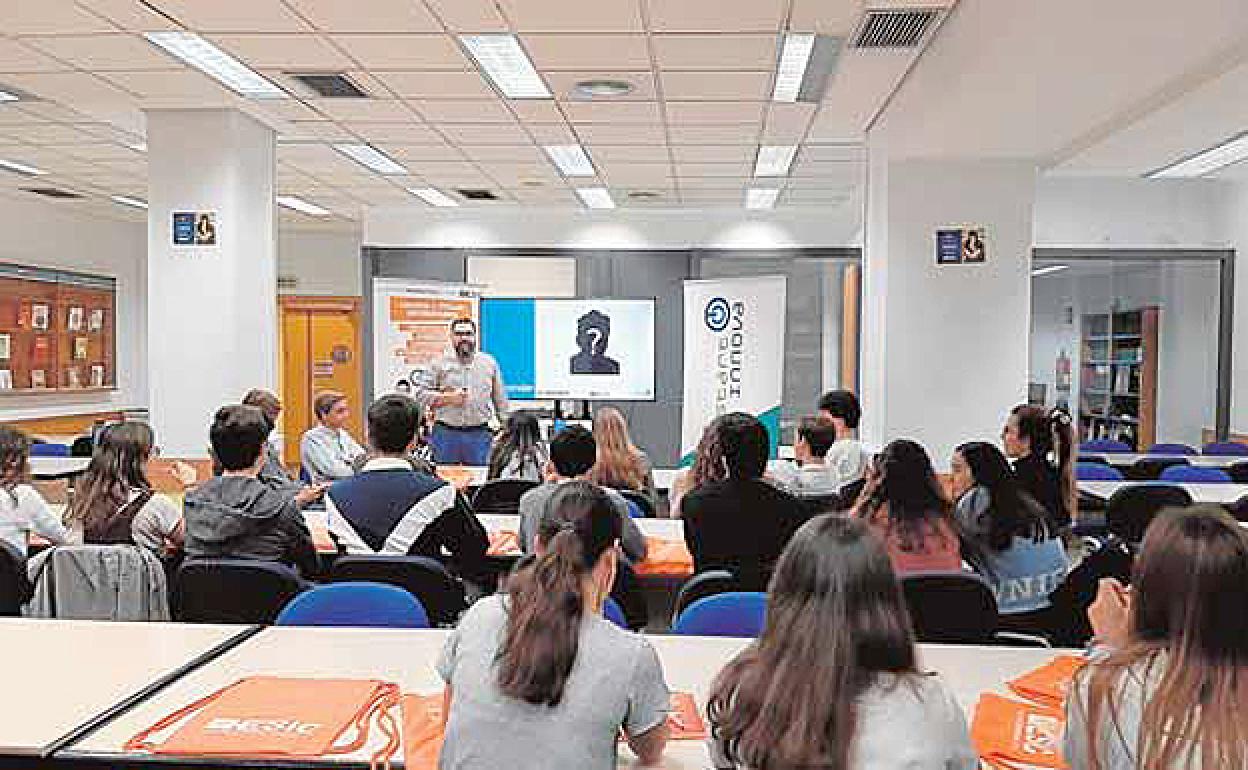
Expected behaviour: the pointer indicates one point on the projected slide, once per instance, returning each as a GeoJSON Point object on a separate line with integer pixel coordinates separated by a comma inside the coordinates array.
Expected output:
{"type": "Point", "coordinates": [572, 348]}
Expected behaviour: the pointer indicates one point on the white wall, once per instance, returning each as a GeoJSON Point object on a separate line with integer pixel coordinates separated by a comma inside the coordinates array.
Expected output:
{"type": "Point", "coordinates": [56, 235]}
{"type": "Point", "coordinates": [1085, 211]}
{"type": "Point", "coordinates": [1237, 216]}
{"type": "Point", "coordinates": [322, 262]}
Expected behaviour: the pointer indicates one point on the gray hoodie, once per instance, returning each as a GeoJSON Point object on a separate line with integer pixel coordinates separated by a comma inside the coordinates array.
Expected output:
{"type": "Point", "coordinates": [237, 517]}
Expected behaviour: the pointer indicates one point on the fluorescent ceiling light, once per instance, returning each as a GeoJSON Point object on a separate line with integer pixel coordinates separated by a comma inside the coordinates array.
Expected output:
{"type": "Point", "coordinates": [371, 157]}
{"type": "Point", "coordinates": [21, 168]}
{"type": "Point", "coordinates": [570, 158]}
{"type": "Point", "coordinates": [595, 197]}
{"type": "Point", "coordinates": [792, 67]}
{"type": "Point", "coordinates": [212, 61]}
{"type": "Point", "coordinates": [1227, 153]}
{"type": "Point", "coordinates": [299, 204]}
{"type": "Point", "coordinates": [433, 197]}
{"type": "Point", "coordinates": [502, 59]}
{"type": "Point", "coordinates": [126, 200]}
{"type": "Point", "coordinates": [138, 146]}
{"type": "Point", "coordinates": [5, 96]}
{"type": "Point", "coordinates": [774, 159]}
{"type": "Point", "coordinates": [1050, 269]}
{"type": "Point", "coordinates": [761, 198]}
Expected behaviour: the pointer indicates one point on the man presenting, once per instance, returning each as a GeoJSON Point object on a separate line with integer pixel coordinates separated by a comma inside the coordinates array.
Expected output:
{"type": "Point", "coordinates": [464, 387]}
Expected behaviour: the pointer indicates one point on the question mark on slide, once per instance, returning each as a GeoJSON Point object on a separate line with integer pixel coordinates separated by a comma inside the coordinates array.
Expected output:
{"type": "Point", "coordinates": [595, 336]}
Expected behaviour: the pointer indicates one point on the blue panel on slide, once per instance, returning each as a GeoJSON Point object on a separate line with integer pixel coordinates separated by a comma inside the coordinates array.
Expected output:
{"type": "Point", "coordinates": [509, 333]}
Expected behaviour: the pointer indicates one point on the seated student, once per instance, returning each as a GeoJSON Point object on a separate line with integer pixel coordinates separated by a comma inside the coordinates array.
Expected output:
{"type": "Point", "coordinates": [518, 452]}
{"type": "Point", "coordinates": [741, 523]}
{"type": "Point", "coordinates": [708, 466]}
{"type": "Point", "coordinates": [1170, 687]}
{"type": "Point", "coordinates": [390, 508]}
{"type": "Point", "coordinates": [810, 476]}
{"type": "Point", "coordinates": [114, 502]}
{"type": "Point", "coordinates": [846, 460]}
{"type": "Point", "coordinates": [327, 451]}
{"type": "Point", "coordinates": [23, 511]}
{"type": "Point", "coordinates": [833, 681]}
{"type": "Point", "coordinates": [271, 405]}
{"type": "Point", "coordinates": [620, 464]}
{"type": "Point", "coordinates": [237, 516]}
{"type": "Point", "coordinates": [1007, 533]}
{"type": "Point", "coordinates": [1042, 445]}
{"type": "Point", "coordinates": [572, 456]}
{"type": "Point", "coordinates": [904, 504]}
{"type": "Point", "coordinates": [537, 679]}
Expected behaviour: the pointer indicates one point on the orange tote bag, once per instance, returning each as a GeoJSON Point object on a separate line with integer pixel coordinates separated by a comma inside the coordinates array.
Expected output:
{"type": "Point", "coordinates": [1049, 684]}
{"type": "Point", "coordinates": [423, 731]}
{"type": "Point", "coordinates": [1008, 733]}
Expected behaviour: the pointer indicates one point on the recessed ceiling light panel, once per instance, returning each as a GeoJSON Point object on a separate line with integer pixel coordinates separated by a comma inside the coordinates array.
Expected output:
{"type": "Point", "coordinates": [502, 59]}
{"type": "Point", "coordinates": [126, 200]}
{"type": "Point", "coordinates": [371, 157]}
{"type": "Point", "coordinates": [774, 159]}
{"type": "Point", "coordinates": [216, 63]}
{"type": "Point", "coordinates": [1219, 156]}
{"type": "Point", "coordinates": [595, 197]}
{"type": "Point", "coordinates": [761, 198]}
{"type": "Point", "coordinates": [571, 159]}
{"type": "Point", "coordinates": [295, 203]}
{"type": "Point", "coordinates": [20, 168]}
{"type": "Point", "coordinates": [433, 196]}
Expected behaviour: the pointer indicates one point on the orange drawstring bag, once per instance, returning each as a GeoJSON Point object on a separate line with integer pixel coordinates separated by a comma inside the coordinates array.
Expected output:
{"type": "Point", "coordinates": [666, 558]}
{"type": "Point", "coordinates": [423, 731]}
{"type": "Point", "coordinates": [265, 716]}
{"type": "Point", "coordinates": [685, 723]}
{"type": "Point", "coordinates": [1008, 733]}
{"type": "Point", "coordinates": [1049, 684]}
{"type": "Point", "coordinates": [504, 543]}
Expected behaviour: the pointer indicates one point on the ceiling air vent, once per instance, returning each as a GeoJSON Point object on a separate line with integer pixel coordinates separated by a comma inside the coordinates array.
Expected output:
{"type": "Point", "coordinates": [329, 85]}
{"type": "Point", "coordinates": [477, 194]}
{"type": "Point", "coordinates": [53, 192]}
{"type": "Point", "coordinates": [894, 27]}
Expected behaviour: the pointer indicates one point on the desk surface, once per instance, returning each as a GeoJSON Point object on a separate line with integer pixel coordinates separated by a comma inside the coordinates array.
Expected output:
{"type": "Point", "coordinates": [63, 673]}
{"type": "Point", "coordinates": [1200, 461]}
{"type": "Point", "coordinates": [407, 657]}
{"type": "Point", "coordinates": [1223, 494]}
{"type": "Point", "coordinates": [46, 468]}
{"type": "Point", "coordinates": [663, 529]}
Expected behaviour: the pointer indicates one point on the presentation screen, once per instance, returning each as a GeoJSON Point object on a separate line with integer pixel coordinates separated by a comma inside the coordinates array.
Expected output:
{"type": "Point", "coordinates": [572, 348]}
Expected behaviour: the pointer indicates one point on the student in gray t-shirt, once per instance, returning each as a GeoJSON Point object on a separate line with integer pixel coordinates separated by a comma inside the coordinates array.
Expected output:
{"type": "Point", "coordinates": [539, 681]}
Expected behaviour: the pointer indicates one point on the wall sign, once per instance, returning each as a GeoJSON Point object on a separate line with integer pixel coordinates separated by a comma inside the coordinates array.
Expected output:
{"type": "Point", "coordinates": [194, 228]}
{"type": "Point", "coordinates": [961, 246]}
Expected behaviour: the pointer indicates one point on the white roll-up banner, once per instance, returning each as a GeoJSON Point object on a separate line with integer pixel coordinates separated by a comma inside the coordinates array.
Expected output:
{"type": "Point", "coordinates": [734, 354]}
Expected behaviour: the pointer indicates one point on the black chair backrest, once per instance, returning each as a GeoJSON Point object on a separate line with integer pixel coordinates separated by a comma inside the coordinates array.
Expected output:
{"type": "Point", "coordinates": [83, 446]}
{"type": "Point", "coordinates": [642, 502]}
{"type": "Point", "coordinates": [426, 579]}
{"type": "Point", "coordinates": [15, 588]}
{"type": "Point", "coordinates": [1150, 468]}
{"type": "Point", "coordinates": [1239, 509]}
{"type": "Point", "coordinates": [1131, 508]}
{"type": "Point", "coordinates": [233, 591]}
{"type": "Point", "coordinates": [1067, 620]}
{"type": "Point", "coordinates": [1239, 472]}
{"type": "Point", "coordinates": [851, 492]}
{"type": "Point", "coordinates": [1098, 459]}
{"type": "Point", "coordinates": [702, 585]}
{"type": "Point", "coordinates": [501, 496]}
{"type": "Point", "coordinates": [952, 608]}
{"type": "Point", "coordinates": [817, 505]}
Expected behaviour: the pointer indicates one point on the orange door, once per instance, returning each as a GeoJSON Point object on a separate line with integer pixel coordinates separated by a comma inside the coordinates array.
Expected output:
{"type": "Point", "coordinates": [320, 351]}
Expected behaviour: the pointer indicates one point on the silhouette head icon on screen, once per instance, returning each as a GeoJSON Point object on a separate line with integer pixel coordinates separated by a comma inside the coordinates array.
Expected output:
{"type": "Point", "coordinates": [593, 332]}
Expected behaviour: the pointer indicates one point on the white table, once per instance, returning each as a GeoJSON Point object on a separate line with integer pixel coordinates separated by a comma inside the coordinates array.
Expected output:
{"type": "Point", "coordinates": [1223, 494]}
{"type": "Point", "coordinates": [64, 673]}
{"type": "Point", "coordinates": [1127, 459]}
{"type": "Point", "coordinates": [407, 657]}
{"type": "Point", "coordinates": [663, 529]}
{"type": "Point", "coordinates": [663, 477]}
{"type": "Point", "coordinates": [49, 468]}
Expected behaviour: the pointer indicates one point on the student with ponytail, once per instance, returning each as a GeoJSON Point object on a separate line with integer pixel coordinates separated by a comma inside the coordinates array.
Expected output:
{"type": "Point", "coordinates": [1042, 445]}
{"type": "Point", "coordinates": [536, 678]}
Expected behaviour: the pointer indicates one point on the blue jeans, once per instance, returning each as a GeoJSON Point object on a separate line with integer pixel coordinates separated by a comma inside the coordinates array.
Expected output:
{"type": "Point", "coordinates": [460, 447]}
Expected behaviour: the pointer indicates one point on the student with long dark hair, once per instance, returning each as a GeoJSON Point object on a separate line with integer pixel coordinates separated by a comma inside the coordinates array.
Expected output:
{"type": "Point", "coordinates": [518, 452]}
{"type": "Point", "coordinates": [536, 678]}
{"type": "Point", "coordinates": [1042, 445]}
{"type": "Point", "coordinates": [833, 683]}
{"type": "Point", "coordinates": [114, 502]}
{"type": "Point", "coordinates": [1006, 531]}
{"type": "Point", "coordinates": [1173, 689]}
{"type": "Point", "coordinates": [905, 505]}
{"type": "Point", "coordinates": [23, 511]}
{"type": "Point", "coordinates": [708, 465]}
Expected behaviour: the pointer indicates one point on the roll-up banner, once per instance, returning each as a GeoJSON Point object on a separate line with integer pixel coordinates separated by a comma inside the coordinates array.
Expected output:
{"type": "Point", "coordinates": [734, 354]}
{"type": "Point", "coordinates": [411, 327]}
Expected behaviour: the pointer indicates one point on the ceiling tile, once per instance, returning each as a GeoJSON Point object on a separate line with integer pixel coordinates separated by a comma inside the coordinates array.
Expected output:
{"type": "Point", "coordinates": [536, 110]}
{"type": "Point", "coordinates": [404, 52]}
{"type": "Point", "coordinates": [827, 174]}
{"type": "Point", "coordinates": [483, 133]}
{"type": "Point", "coordinates": [11, 114]}
{"type": "Point", "coordinates": [711, 86]}
{"type": "Point", "coordinates": [714, 112]}
{"type": "Point", "coordinates": [365, 110]}
{"type": "Point", "coordinates": [713, 153]}
{"type": "Point", "coordinates": [816, 197]}
{"type": "Point", "coordinates": [612, 112]}
{"type": "Point", "coordinates": [319, 130]}
{"type": "Point", "coordinates": [171, 84]}
{"type": "Point", "coordinates": [788, 123]}
{"type": "Point", "coordinates": [420, 152]}
{"type": "Point", "coordinates": [246, 16]}
{"type": "Point", "coordinates": [135, 17]}
{"type": "Point", "coordinates": [584, 52]}
{"type": "Point", "coordinates": [443, 168]}
{"type": "Point", "coordinates": [613, 133]}
{"type": "Point", "coordinates": [16, 56]}
{"type": "Point", "coordinates": [399, 133]}
{"type": "Point", "coordinates": [437, 85]}
{"type": "Point", "coordinates": [638, 173]}
{"type": "Point", "coordinates": [715, 52]}
{"type": "Point", "coordinates": [565, 16]}
{"type": "Point", "coordinates": [381, 16]}
{"type": "Point", "coordinates": [716, 15]}
{"type": "Point", "coordinates": [509, 175]}
{"type": "Point", "coordinates": [837, 19]}
{"type": "Point", "coordinates": [712, 134]}
{"type": "Point", "coordinates": [100, 151]}
{"type": "Point", "coordinates": [713, 169]}
{"type": "Point", "coordinates": [563, 83]}
{"type": "Point", "coordinates": [545, 196]}
{"type": "Point", "coordinates": [551, 133]}
{"type": "Point", "coordinates": [76, 88]}
{"type": "Point", "coordinates": [285, 52]}
{"type": "Point", "coordinates": [101, 53]}
{"type": "Point", "coordinates": [726, 184]}
{"type": "Point", "coordinates": [505, 153]}
{"type": "Point", "coordinates": [41, 17]}
{"type": "Point", "coordinates": [820, 153]}
{"type": "Point", "coordinates": [461, 111]}
{"type": "Point", "coordinates": [286, 109]}
{"type": "Point", "coordinates": [468, 15]}
{"type": "Point", "coordinates": [625, 153]}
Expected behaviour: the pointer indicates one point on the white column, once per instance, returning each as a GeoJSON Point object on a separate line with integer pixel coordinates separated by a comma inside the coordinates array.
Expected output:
{"type": "Point", "coordinates": [212, 310]}
{"type": "Point", "coordinates": [945, 348]}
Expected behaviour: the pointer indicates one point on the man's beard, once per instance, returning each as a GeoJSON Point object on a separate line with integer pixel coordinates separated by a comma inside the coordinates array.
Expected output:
{"type": "Point", "coordinates": [464, 349]}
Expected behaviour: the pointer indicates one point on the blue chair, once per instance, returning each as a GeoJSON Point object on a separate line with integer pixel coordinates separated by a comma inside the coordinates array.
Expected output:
{"type": "Point", "coordinates": [1085, 471]}
{"type": "Point", "coordinates": [612, 612]}
{"type": "Point", "coordinates": [358, 605]}
{"type": "Point", "coordinates": [1195, 475]}
{"type": "Point", "coordinates": [1105, 445]}
{"type": "Point", "coordinates": [737, 613]}
{"type": "Point", "coordinates": [1226, 449]}
{"type": "Point", "coordinates": [634, 510]}
{"type": "Point", "coordinates": [304, 476]}
{"type": "Point", "coordinates": [49, 450]}
{"type": "Point", "coordinates": [1172, 449]}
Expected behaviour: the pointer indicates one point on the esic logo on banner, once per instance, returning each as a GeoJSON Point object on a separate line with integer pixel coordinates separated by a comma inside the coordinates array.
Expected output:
{"type": "Point", "coordinates": [260, 726]}
{"type": "Point", "coordinates": [729, 322]}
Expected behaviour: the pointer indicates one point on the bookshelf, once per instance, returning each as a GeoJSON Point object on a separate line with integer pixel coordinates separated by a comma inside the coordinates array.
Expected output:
{"type": "Point", "coordinates": [1118, 376]}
